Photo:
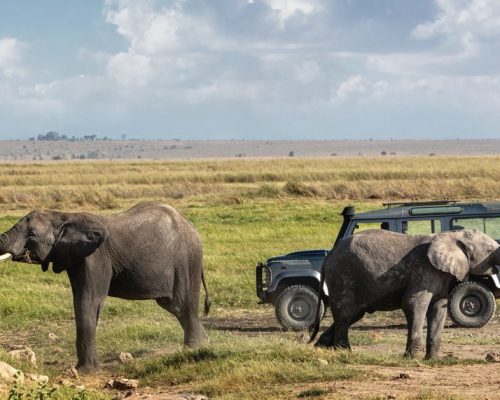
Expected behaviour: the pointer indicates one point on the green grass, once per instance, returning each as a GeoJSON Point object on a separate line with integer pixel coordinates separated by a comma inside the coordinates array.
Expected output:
{"type": "Point", "coordinates": [246, 211]}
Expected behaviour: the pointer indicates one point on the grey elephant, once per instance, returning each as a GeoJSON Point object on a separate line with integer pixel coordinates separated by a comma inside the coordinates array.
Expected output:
{"type": "Point", "coordinates": [147, 252]}
{"type": "Point", "coordinates": [382, 270]}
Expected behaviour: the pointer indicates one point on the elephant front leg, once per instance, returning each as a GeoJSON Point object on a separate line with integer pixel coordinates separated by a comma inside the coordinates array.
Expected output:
{"type": "Point", "coordinates": [90, 289]}
{"type": "Point", "coordinates": [87, 309]}
{"type": "Point", "coordinates": [436, 316]}
{"type": "Point", "coordinates": [415, 308]}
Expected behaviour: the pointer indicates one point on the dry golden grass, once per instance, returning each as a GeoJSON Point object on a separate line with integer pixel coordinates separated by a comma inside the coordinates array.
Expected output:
{"type": "Point", "coordinates": [111, 185]}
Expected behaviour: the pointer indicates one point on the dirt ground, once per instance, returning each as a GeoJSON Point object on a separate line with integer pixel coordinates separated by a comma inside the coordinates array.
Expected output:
{"type": "Point", "coordinates": [478, 381]}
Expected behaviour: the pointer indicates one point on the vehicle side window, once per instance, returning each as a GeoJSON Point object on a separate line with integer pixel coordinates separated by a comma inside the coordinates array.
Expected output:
{"type": "Point", "coordinates": [363, 226]}
{"type": "Point", "coordinates": [421, 227]}
{"type": "Point", "coordinates": [490, 226]}
{"type": "Point", "coordinates": [467, 223]}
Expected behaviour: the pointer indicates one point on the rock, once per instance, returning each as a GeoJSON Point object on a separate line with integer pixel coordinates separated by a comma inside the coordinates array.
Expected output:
{"type": "Point", "coordinates": [71, 373]}
{"type": "Point", "coordinates": [38, 378]}
{"type": "Point", "coordinates": [53, 337]}
{"type": "Point", "coordinates": [64, 382]}
{"type": "Point", "coordinates": [125, 357]}
{"type": "Point", "coordinates": [190, 396]}
{"type": "Point", "coordinates": [165, 396]}
{"type": "Point", "coordinates": [122, 384]}
{"type": "Point", "coordinates": [9, 374]}
{"type": "Point", "coordinates": [493, 357]}
{"type": "Point", "coordinates": [20, 352]}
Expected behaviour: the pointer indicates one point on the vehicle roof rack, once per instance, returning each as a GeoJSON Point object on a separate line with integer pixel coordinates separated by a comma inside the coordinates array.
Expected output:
{"type": "Point", "coordinates": [420, 203]}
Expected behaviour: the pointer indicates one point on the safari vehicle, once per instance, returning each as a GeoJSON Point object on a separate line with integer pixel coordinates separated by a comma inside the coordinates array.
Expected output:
{"type": "Point", "coordinates": [291, 281]}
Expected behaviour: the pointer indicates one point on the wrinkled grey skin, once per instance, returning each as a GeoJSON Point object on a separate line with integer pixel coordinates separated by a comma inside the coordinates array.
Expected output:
{"type": "Point", "coordinates": [382, 270]}
{"type": "Point", "coordinates": [147, 252]}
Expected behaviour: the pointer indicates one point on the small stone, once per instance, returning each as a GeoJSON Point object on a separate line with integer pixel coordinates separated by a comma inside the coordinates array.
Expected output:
{"type": "Point", "coordinates": [125, 357]}
{"type": "Point", "coordinates": [9, 374]}
{"type": "Point", "coordinates": [38, 378]}
{"type": "Point", "coordinates": [71, 372]}
{"type": "Point", "coordinates": [53, 337]}
{"type": "Point", "coordinates": [78, 387]}
{"type": "Point", "coordinates": [64, 382]}
{"type": "Point", "coordinates": [493, 357]}
{"type": "Point", "coordinates": [122, 384]}
{"type": "Point", "coordinates": [20, 352]}
{"type": "Point", "coordinates": [322, 362]}
{"type": "Point", "coordinates": [190, 396]}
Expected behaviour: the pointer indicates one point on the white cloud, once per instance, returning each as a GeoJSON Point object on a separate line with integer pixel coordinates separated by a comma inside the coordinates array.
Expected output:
{"type": "Point", "coordinates": [154, 31]}
{"type": "Point", "coordinates": [11, 54]}
{"type": "Point", "coordinates": [129, 69]}
{"type": "Point", "coordinates": [288, 8]}
{"type": "Point", "coordinates": [477, 18]}
{"type": "Point", "coordinates": [357, 88]}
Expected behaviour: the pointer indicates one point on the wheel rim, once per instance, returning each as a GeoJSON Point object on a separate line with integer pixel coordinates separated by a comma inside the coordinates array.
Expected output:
{"type": "Point", "coordinates": [471, 305]}
{"type": "Point", "coordinates": [300, 308]}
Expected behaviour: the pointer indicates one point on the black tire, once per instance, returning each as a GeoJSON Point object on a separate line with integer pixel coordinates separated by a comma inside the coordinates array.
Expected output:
{"type": "Point", "coordinates": [296, 307]}
{"type": "Point", "coordinates": [471, 305]}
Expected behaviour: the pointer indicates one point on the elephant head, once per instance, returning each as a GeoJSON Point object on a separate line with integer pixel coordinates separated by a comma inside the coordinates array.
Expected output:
{"type": "Point", "coordinates": [48, 236]}
{"type": "Point", "coordinates": [462, 252]}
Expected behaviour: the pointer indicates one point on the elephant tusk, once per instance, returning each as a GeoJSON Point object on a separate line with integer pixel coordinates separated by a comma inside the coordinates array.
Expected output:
{"type": "Point", "coordinates": [5, 257]}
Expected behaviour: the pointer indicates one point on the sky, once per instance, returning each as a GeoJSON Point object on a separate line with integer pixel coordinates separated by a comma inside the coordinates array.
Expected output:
{"type": "Point", "coordinates": [250, 69]}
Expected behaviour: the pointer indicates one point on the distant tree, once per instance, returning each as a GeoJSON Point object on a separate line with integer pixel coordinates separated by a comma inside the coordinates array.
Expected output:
{"type": "Point", "coordinates": [291, 153]}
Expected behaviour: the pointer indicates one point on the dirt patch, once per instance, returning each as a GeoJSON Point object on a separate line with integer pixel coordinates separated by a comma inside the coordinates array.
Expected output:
{"type": "Point", "coordinates": [477, 381]}
{"type": "Point", "coordinates": [462, 381]}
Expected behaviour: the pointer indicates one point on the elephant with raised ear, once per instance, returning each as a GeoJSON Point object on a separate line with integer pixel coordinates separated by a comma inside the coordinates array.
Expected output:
{"type": "Point", "coordinates": [147, 252]}
{"type": "Point", "coordinates": [382, 270]}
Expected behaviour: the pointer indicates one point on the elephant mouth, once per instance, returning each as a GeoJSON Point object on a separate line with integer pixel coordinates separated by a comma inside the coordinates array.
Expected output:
{"type": "Point", "coordinates": [28, 257]}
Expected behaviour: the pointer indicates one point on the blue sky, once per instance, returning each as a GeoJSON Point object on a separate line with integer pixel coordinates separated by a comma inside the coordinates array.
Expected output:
{"type": "Point", "coordinates": [250, 69]}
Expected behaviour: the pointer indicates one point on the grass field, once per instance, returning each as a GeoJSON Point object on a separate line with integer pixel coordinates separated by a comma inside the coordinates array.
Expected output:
{"type": "Point", "coordinates": [246, 211]}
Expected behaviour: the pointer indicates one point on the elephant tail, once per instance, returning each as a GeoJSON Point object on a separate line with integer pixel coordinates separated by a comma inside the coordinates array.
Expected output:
{"type": "Point", "coordinates": [208, 302]}
{"type": "Point", "coordinates": [314, 328]}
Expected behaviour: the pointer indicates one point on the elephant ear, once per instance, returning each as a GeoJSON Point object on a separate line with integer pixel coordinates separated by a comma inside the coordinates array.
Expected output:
{"type": "Point", "coordinates": [448, 253]}
{"type": "Point", "coordinates": [76, 240]}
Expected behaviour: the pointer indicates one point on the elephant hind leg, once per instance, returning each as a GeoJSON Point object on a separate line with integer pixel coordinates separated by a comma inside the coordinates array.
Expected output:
{"type": "Point", "coordinates": [194, 333]}
{"type": "Point", "coordinates": [326, 338]}
{"type": "Point", "coordinates": [342, 324]}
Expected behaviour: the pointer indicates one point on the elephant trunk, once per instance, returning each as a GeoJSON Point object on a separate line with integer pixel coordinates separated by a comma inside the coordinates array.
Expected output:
{"type": "Point", "coordinates": [7, 243]}
{"type": "Point", "coordinates": [487, 267]}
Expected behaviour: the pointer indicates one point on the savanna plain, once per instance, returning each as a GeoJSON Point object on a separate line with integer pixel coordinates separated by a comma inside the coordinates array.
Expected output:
{"type": "Point", "coordinates": [246, 211]}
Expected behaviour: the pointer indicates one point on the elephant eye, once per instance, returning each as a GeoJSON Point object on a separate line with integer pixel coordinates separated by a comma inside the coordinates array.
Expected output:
{"type": "Point", "coordinates": [31, 235]}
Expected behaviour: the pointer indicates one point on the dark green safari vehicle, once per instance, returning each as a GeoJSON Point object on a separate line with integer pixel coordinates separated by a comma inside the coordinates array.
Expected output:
{"type": "Point", "coordinates": [291, 281]}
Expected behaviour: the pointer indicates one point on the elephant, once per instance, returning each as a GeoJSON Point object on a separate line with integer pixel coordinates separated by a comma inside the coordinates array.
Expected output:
{"type": "Point", "coordinates": [149, 251]}
{"type": "Point", "coordinates": [380, 270]}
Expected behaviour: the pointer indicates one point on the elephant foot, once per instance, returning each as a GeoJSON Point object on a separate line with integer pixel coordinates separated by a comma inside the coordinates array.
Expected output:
{"type": "Point", "coordinates": [323, 345]}
{"type": "Point", "coordinates": [410, 354]}
{"type": "Point", "coordinates": [326, 338]}
{"type": "Point", "coordinates": [88, 368]}
{"type": "Point", "coordinates": [197, 340]}
{"type": "Point", "coordinates": [432, 356]}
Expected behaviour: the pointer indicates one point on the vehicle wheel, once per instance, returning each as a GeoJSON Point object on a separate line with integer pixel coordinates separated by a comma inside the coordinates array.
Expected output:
{"type": "Point", "coordinates": [296, 307]}
{"type": "Point", "coordinates": [471, 305]}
